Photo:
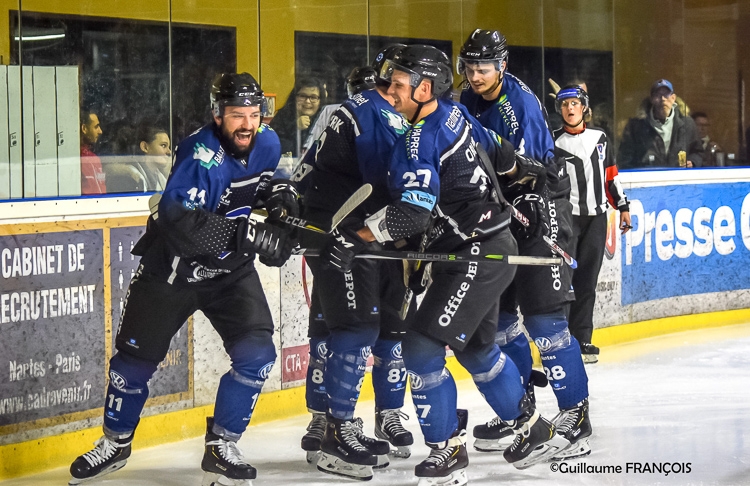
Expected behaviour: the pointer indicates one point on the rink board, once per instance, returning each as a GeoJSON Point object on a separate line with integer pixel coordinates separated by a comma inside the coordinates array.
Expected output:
{"type": "Point", "coordinates": [185, 386]}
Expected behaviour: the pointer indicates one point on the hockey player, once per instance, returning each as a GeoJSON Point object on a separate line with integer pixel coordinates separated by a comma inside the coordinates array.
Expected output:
{"type": "Point", "coordinates": [356, 312]}
{"type": "Point", "coordinates": [594, 181]}
{"type": "Point", "coordinates": [435, 170]}
{"type": "Point", "coordinates": [507, 106]}
{"type": "Point", "coordinates": [198, 254]}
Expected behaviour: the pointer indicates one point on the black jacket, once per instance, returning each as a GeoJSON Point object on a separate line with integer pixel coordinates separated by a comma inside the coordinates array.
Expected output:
{"type": "Point", "coordinates": [642, 147]}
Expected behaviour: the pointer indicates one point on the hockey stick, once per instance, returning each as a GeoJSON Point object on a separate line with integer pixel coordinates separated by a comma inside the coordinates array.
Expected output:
{"type": "Point", "coordinates": [521, 218]}
{"type": "Point", "coordinates": [444, 257]}
{"type": "Point", "coordinates": [349, 205]}
{"type": "Point", "coordinates": [518, 215]}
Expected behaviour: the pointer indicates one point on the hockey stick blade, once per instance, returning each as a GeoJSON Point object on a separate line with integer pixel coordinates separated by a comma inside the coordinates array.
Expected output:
{"type": "Point", "coordinates": [445, 257]}
{"type": "Point", "coordinates": [521, 218]}
{"type": "Point", "coordinates": [349, 205]}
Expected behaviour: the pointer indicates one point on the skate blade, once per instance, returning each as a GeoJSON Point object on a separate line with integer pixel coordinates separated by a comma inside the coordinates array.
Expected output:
{"type": "Point", "coordinates": [214, 479]}
{"type": "Point", "coordinates": [543, 452]}
{"type": "Point", "coordinates": [114, 467]}
{"type": "Point", "coordinates": [457, 478]}
{"type": "Point", "coordinates": [333, 465]}
{"type": "Point", "coordinates": [383, 462]}
{"type": "Point", "coordinates": [312, 457]}
{"type": "Point", "coordinates": [493, 445]}
{"type": "Point", "coordinates": [401, 452]}
{"type": "Point", "coordinates": [590, 358]}
{"type": "Point", "coordinates": [574, 451]}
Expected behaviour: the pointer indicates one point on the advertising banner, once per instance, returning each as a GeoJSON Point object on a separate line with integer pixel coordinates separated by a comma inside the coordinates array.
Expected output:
{"type": "Point", "coordinates": [52, 353]}
{"type": "Point", "coordinates": [686, 240]}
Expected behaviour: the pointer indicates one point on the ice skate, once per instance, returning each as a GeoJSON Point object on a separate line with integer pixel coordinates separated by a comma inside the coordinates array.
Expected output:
{"type": "Point", "coordinates": [535, 441]}
{"type": "Point", "coordinates": [223, 462]}
{"type": "Point", "coordinates": [447, 462]}
{"type": "Point", "coordinates": [342, 453]}
{"type": "Point", "coordinates": [589, 353]}
{"type": "Point", "coordinates": [311, 440]}
{"type": "Point", "coordinates": [495, 435]}
{"type": "Point", "coordinates": [108, 455]}
{"type": "Point", "coordinates": [498, 435]}
{"type": "Point", "coordinates": [379, 448]}
{"type": "Point", "coordinates": [388, 427]}
{"type": "Point", "coordinates": [574, 425]}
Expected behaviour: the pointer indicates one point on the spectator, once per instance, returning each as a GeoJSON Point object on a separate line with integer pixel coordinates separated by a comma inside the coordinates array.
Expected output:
{"type": "Point", "coordinates": [142, 162]}
{"type": "Point", "coordinates": [92, 175]}
{"type": "Point", "coordinates": [712, 153]}
{"type": "Point", "coordinates": [155, 156]}
{"type": "Point", "coordinates": [293, 121]}
{"type": "Point", "coordinates": [662, 136]}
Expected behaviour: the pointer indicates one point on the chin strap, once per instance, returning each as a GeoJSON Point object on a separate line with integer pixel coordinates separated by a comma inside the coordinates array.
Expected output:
{"type": "Point", "coordinates": [420, 104]}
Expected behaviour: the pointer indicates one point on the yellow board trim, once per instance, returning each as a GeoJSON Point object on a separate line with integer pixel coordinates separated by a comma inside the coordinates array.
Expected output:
{"type": "Point", "coordinates": [49, 452]}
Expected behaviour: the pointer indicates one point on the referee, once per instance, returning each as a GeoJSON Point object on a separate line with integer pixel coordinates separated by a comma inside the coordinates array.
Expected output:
{"type": "Point", "coordinates": [594, 182]}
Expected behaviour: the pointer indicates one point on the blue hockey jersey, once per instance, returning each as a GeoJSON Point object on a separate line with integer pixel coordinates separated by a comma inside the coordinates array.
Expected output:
{"type": "Point", "coordinates": [517, 116]}
{"type": "Point", "coordinates": [353, 150]}
{"type": "Point", "coordinates": [208, 195]}
{"type": "Point", "coordinates": [435, 166]}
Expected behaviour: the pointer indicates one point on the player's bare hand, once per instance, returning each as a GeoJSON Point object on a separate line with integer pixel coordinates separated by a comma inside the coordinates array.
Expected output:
{"type": "Point", "coordinates": [625, 222]}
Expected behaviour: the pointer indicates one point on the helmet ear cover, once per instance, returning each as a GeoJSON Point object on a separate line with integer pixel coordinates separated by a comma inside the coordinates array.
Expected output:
{"type": "Point", "coordinates": [232, 89]}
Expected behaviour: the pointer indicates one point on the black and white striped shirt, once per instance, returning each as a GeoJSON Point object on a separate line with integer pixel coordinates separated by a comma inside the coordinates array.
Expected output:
{"type": "Point", "coordinates": [592, 171]}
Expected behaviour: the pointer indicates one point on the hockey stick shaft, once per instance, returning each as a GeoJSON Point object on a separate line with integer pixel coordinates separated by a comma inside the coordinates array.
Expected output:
{"type": "Point", "coordinates": [521, 218]}
{"type": "Point", "coordinates": [445, 257]}
{"type": "Point", "coordinates": [349, 205]}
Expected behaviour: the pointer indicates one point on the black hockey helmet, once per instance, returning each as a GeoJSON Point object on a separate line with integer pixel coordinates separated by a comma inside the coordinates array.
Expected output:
{"type": "Point", "coordinates": [233, 89]}
{"type": "Point", "coordinates": [486, 46]}
{"type": "Point", "coordinates": [421, 62]}
{"type": "Point", "coordinates": [360, 79]}
{"type": "Point", "coordinates": [571, 91]}
{"type": "Point", "coordinates": [383, 55]}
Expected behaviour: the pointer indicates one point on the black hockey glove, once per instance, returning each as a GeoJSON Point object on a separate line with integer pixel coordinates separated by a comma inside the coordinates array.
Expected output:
{"type": "Point", "coordinates": [272, 244]}
{"type": "Point", "coordinates": [282, 199]}
{"type": "Point", "coordinates": [534, 208]}
{"type": "Point", "coordinates": [343, 246]}
{"type": "Point", "coordinates": [530, 172]}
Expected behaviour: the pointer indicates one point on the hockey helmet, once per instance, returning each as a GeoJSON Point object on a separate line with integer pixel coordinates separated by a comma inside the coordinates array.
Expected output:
{"type": "Point", "coordinates": [360, 79]}
{"type": "Point", "coordinates": [384, 55]}
{"type": "Point", "coordinates": [421, 62]}
{"type": "Point", "coordinates": [233, 89]}
{"type": "Point", "coordinates": [485, 46]}
{"type": "Point", "coordinates": [571, 91]}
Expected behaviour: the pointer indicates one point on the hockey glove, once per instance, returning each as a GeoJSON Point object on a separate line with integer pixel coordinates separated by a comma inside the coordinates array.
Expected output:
{"type": "Point", "coordinates": [343, 246]}
{"type": "Point", "coordinates": [282, 199]}
{"type": "Point", "coordinates": [534, 207]}
{"type": "Point", "coordinates": [272, 244]}
{"type": "Point", "coordinates": [530, 172]}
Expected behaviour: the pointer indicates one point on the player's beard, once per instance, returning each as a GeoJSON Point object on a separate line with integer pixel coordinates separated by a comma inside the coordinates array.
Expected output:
{"type": "Point", "coordinates": [227, 140]}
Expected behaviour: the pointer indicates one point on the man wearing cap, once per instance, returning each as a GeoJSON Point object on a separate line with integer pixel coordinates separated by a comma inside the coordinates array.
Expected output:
{"type": "Point", "coordinates": [662, 137]}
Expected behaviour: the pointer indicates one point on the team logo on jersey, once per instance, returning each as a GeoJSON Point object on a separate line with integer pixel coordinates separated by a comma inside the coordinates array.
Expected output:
{"type": "Point", "coordinates": [417, 383]}
{"type": "Point", "coordinates": [396, 351]}
{"type": "Point", "coordinates": [395, 121]}
{"type": "Point", "coordinates": [117, 380]}
{"type": "Point", "coordinates": [601, 149]}
{"type": "Point", "coordinates": [266, 370]}
{"type": "Point", "coordinates": [205, 155]}
{"type": "Point", "coordinates": [322, 348]}
{"type": "Point", "coordinates": [365, 352]}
